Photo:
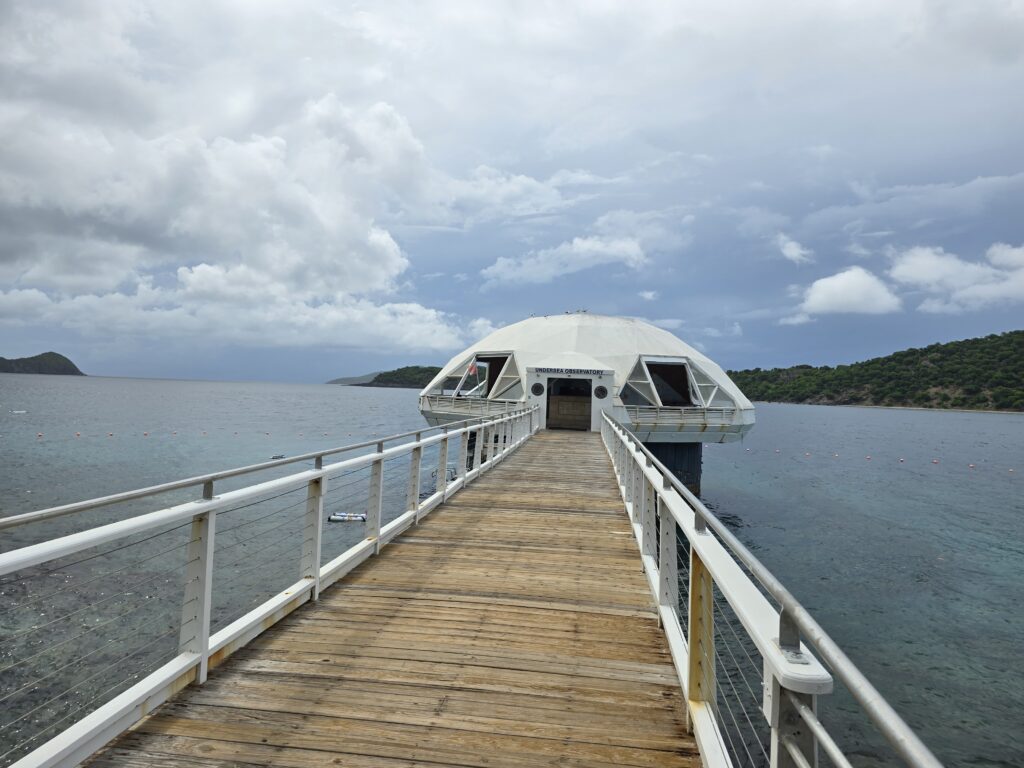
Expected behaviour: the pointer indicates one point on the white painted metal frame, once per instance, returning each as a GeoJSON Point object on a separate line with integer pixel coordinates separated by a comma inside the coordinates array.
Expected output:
{"type": "Point", "coordinates": [200, 651]}
{"type": "Point", "coordinates": [793, 677]}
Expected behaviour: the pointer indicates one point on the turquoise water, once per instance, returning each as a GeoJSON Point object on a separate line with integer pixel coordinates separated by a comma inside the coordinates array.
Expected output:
{"type": "Point", "coordinates": [914, 567]}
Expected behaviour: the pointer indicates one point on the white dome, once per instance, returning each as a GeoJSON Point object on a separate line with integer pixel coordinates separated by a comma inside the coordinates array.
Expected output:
{"type": "Point", "coordinates": [584, 341]}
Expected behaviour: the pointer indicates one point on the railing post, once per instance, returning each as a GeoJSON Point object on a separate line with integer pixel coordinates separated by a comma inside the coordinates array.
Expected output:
{"type": "Point", "coordinates": [460, 468]}
{"type": "Point", "coordinates": [312, 535]}
{"type": "Point", "coordinates": [631, 483]}
{"type": "Point", "coordinates": [412, 493]}
{"type": "Point", "coordinates": [478, 448]}
{"type": "Point", "coordinates": [700, 636]}
{"type": "Point", "coordinates": [789, 733]}
{"type": "Point", "coordinates": [194, 636]}
{"type": "Point", "coordinates": [668, 557]}
{"type": "Point", "coordinates": [649, 510]}
{"type": "Point", "coordinates": [793, 744]}
{"type": "Point", "coordinates": [375, 503]}
{"type": "Point", "coordinates": [442, 466]}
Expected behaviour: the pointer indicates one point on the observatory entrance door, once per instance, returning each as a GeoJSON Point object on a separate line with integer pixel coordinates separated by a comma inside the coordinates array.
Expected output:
{"type": "Point", "coordinates": [569, 404]}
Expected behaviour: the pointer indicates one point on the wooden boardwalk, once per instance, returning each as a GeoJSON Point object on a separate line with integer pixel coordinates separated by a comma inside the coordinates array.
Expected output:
{"type": "Point", "coordinates": [513, 627]}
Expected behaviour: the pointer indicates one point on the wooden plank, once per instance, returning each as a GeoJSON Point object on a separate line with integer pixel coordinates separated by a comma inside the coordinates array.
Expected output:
{"type": "Point", "coordinates": [513, 627]}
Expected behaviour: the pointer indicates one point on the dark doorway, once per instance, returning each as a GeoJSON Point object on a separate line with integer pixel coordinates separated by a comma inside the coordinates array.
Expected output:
{"type": "Point", "coordinates": [569, 404]}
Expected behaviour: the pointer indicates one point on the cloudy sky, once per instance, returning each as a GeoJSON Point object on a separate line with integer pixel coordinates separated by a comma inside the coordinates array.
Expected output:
{"type": "Point", "coordinates": [300, 190]}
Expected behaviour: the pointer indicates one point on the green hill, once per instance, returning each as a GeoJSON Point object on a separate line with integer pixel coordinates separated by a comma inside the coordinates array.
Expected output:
{"type": "Point", "coordinates": [349, 380]}
{"type": "Point", "coordinates": [983, 374]}
{"type": "Point", "coordinates": [411, 376]}
{"type": "Point", "coordinates": [48, 362]}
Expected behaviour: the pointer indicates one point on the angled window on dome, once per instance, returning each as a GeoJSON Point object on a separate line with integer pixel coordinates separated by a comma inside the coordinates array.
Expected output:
{"type": "Point", "coordinates": [640, 381]}
{"type": "Point", "coordinates": [482, 374]}
{"type": "Point", "coordinates": [514, 392]}
{"type": "Point", "coordinates": [506, 381]}
{"type": "Point", "coordinates": [630, 396]}
{"type": "Point", "coordinates": [672, 383]}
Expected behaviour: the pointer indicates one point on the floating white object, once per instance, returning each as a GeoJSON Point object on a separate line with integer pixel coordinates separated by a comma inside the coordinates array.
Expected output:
{"type": "Point", "coordinates": [347, 517]}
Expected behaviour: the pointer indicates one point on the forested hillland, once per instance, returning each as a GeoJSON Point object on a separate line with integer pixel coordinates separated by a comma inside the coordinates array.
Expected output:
{"type": "Point", "coordinates": [982, 374]}
{"type": "Point", "coordinates": [411, 376]}
{"type": "Point", "coordinates": [48, 362]}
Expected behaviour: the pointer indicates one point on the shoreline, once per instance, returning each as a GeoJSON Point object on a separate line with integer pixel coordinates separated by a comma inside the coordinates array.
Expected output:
{"type": "Point", "coordinates": [894, 407]}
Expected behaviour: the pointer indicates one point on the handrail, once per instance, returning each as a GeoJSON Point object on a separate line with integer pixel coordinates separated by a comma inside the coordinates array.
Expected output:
{"type": "Point", "coordinates": [795, 617]}
{"type": "Point", "coordinates": [199, 648]}
{"type": "Point", "coordinates": [104, 501]}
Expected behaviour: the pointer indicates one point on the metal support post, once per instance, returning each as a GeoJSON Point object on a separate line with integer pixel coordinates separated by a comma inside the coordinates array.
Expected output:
{"type": "Point", "coordinates": [478, 448]}
{"type": "Point", "coordinates": [649, 510]}
{"type": "Point", "coordinates": [460, 468]}
{"type": "Point", "coordinates": [442, 466]}
{"type": "Point", "coordinates": [194, 636]}
{"type": "Point", "coordinates": [700, 634]}
{"type": "Point", "coordinates": [793, 743]}
{"type": "Point", "coordinates": [668, 560]}
{"type": "Point", "coordinates": [412, 493]}
{"type": "Point", "coordinates": [312, 534]}
{"type": "Point", "coordinates": [376, 500]}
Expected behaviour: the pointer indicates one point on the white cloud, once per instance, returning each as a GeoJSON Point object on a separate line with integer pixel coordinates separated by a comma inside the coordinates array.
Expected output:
{"type": "Point", "coordinates": [792, 250]}
{"type": "Point", "coordinates": [935, 270]}
{"type": "Point", "coordinates": [480, 327]}
{"type": "Point", "coordinates": [716, 333]}
{"type": "Point", "coordinates": [1006, 256]}
{"type": "Point", "coordinates": [656, 231]}
{"type": "Point", "coordinates": [852, 291]}
{"type": "Point", "coordinates": [580, 253]}
{"type": "Point", "coordinates": [800, 318]}
{"type": "Point", "coordinates": [257, 315]}
{"type": "Point", "coordinates": [956, 285]}
{"type": "Point", "coordinates": [621, 237]}
{"type": "Point", "coordinates": [648, 295]}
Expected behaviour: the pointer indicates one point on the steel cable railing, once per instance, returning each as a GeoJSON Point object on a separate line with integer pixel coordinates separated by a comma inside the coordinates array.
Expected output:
{"type": "Point", "coordinates": [150, 602]}
{"type": "Point", "coordinates": [60, 646]}
{"type": "Point", "coordinates": [735, 632]}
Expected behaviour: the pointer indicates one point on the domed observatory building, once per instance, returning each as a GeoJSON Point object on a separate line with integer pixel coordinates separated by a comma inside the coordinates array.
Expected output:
{"type": "Point", "coordinates": [576, 366]}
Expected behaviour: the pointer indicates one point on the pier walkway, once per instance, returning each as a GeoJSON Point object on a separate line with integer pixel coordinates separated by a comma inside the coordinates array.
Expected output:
{"type": "Point", "coordinates": [512, 627]}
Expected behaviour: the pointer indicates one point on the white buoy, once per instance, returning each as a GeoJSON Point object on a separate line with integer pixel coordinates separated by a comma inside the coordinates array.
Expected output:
{"type": "Point", "coordinates": [347, 517]}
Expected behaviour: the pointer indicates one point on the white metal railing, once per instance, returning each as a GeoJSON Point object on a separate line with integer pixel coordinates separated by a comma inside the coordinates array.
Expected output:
{"type": "Point", "coordinates": [479, 406]}
{"type": "Point", "coordinates": [741, 712]}
{"type": "Point", "coordinates": [296, 504]}
{"type": "Point", "coordinates": [649, 415]}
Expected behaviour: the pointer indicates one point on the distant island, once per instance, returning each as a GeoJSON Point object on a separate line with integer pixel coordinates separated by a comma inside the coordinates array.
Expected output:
{"type": "Point", "coordinates": [977, 374]}
{"type": "Point", "coordinates": [350, 380]}
{"type": "Point", "coordinates": [48, 362]}
{"type": "Point", "coordinates": [410, 377]}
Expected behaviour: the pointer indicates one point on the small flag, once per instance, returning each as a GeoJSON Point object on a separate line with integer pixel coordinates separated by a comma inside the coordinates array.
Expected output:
{"type": "Point", "coordinates": [472, 368]}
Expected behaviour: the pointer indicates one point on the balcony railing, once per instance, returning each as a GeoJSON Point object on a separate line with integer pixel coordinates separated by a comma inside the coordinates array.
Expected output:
{"type": "Point", "coordinates": [467, 406]}
{"type": "Point", "coordinates": [649, 415]}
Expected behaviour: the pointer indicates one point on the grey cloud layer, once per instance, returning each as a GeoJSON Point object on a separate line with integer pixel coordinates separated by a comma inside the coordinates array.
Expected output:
{"type": "Point", "coordinates": [282, 176]}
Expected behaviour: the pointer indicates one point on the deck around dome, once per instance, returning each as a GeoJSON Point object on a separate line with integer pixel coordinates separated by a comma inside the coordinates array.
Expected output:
{"type": "Point", "coordinates": [513, 627]}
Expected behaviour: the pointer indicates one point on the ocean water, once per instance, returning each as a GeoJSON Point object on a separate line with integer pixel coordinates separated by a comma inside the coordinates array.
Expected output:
{"type": "Point", "coordinates": [916, 568]}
